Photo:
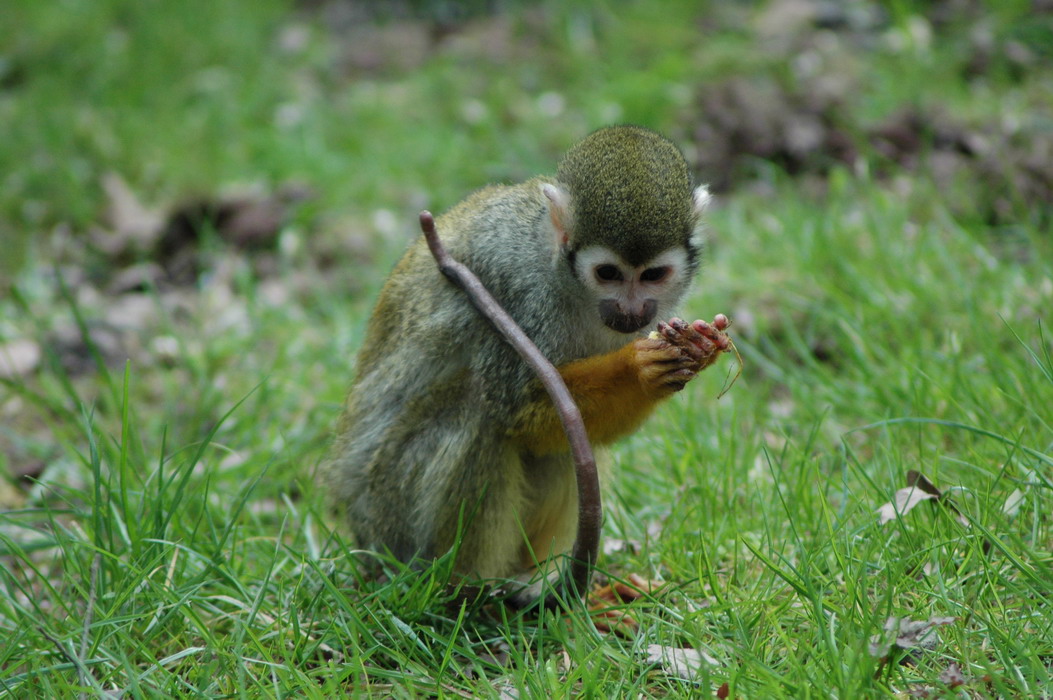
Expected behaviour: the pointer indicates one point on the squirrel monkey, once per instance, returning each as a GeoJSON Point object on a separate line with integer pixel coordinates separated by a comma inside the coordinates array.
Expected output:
{"type": "Point", "coordinates": [447, 431]}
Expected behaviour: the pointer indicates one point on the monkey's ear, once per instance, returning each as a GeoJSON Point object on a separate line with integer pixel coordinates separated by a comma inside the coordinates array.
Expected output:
{"type": "Point", "coordinates": [558, 211]}
{"type": "Point", "coordinates": [701, 199]}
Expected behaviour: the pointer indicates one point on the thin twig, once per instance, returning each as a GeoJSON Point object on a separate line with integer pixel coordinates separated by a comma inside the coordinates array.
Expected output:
{"type": "Point", "coordinates": [587, 543]}
{"type": "Point", "coordinates": [738, 373]}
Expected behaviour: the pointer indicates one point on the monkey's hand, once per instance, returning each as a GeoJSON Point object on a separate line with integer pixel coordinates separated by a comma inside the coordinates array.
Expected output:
{"type": "Point", "coordinates": [671, 356]}
{"type": "Point", "coordinates": [616, 391]}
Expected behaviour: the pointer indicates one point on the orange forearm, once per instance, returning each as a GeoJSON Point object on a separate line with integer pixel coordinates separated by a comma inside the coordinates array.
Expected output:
{"type": "Point", "coordinates": [610, 394]}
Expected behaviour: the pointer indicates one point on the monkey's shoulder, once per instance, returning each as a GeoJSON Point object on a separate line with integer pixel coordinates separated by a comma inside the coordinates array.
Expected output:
{"type": "Point", "coordinates": [497, 215]}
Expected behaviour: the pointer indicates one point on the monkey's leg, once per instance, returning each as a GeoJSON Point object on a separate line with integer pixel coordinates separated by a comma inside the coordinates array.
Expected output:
{"type": "Point", "coordinates": [550, 510]}
{"type": "Point", "coordinates": [549, 522]}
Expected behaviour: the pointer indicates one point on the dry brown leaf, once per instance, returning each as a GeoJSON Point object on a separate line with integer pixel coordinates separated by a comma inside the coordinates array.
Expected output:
{"type": "Point", "coordinates": [919, 489]}
{"type": "Point", "coordinates": [618, 592]}
{"type": "Point", "coordinates": [606, 604]}
{"type": "Point", "coordinates": [134, 226]}
{"type": "Point", "coordinates": [904, 633]}
{"type": "Point", "coordinates": [682, 663]}
{"type": "Point", "coordinates": [1013, 503]}
{"type": "Point", "coordinates": [952, 676]}
{"type": "Point", "coordinates": [638, 586]}
{"type": "Point", "coordinates": [903, 502]}
{"type": "Point", "coordinates": [616, 620]}
{"type": "Point", "coordinates": [916, 478]}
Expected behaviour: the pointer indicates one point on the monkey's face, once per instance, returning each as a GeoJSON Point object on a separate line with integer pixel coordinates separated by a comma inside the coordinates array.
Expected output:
{"type": "Point", "coordinates": [628, 298]}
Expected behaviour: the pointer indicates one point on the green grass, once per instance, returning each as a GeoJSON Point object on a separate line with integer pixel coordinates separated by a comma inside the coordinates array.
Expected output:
{"type": "Point", "coordinates": [177, 545]}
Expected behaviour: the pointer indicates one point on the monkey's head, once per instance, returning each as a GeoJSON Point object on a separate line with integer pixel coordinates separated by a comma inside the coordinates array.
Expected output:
{"type": "Point", "coordinates": [626, 218]}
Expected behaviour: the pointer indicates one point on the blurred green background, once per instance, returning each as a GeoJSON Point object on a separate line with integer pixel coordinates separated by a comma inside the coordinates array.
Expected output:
{"type": "Point", "coordinates": [200, 200]}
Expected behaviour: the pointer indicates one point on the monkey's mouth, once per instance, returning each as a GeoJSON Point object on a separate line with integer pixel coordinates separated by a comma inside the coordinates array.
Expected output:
{"type": "Point", "coordinates": [616, 318]}
{"type": "Point", "coordinates": [627, 324]}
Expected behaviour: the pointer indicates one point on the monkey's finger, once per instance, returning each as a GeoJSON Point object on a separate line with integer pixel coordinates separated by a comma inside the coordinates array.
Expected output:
{"type": "Point", "coordinates": [675, 334]}
{"type": "Point", "coordinates": [658, 349]}
{"type": "Point", "coordinates": [685, 364]}
{"type": "Point", "coordinates": [698, 331]}
{"type": "Point", "coordinates": [678, 379]}
{"type": "Point", "coordinates": [668, 359]}
{"type": "Point", "coordinates": [710, 330]}
{"type": "Point", "coordinates": [698, 345]}
{"type": "Point", "coordinates": [715, 335]}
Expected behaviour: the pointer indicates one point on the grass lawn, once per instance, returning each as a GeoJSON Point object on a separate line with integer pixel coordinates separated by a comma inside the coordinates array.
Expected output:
{"type": "Point", "coordinates": [168, 379]}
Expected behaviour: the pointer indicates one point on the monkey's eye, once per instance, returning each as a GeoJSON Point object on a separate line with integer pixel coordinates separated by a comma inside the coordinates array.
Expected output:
{"type": "Point", "coordinates": [608, 273]}
{"type": "Point", "coordinates": [654, 274]}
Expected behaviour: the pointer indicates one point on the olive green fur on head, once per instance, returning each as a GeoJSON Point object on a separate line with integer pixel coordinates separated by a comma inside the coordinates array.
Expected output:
{"type": "Point", "coordinates": [631, 191]}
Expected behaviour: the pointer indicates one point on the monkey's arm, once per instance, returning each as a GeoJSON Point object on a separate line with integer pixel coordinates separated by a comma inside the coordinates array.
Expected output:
{"type": "Point", "coordinates": [616, 391]}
